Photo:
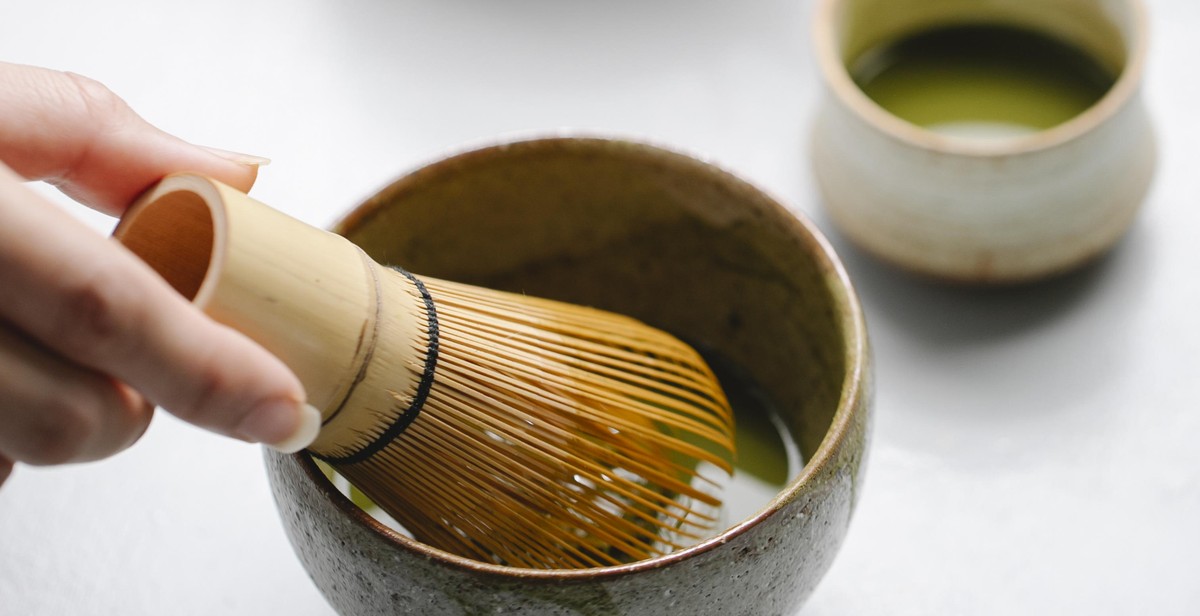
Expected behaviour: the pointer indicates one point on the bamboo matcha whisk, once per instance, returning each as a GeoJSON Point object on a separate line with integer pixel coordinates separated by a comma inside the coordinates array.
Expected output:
{"type": "Point", "coordinates": [504, 428]}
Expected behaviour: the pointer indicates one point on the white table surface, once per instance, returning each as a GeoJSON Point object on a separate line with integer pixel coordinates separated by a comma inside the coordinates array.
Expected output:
{"type": "Point", "coordinates": [1036, 451]}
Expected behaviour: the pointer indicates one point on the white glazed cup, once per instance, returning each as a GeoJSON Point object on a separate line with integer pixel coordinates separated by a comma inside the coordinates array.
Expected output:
{"type": "Point", "coordinates": [974, 210]}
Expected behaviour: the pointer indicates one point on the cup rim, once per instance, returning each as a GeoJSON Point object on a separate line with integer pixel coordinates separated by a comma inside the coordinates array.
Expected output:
{"type": "Point", "coordinates": [838, 80]}
{"type": "Point", "coordinates": [854, 385]}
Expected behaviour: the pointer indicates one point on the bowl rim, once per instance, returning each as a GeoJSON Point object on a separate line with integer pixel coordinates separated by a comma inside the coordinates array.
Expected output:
{"type": "Point", "coordinates": [854, 392]}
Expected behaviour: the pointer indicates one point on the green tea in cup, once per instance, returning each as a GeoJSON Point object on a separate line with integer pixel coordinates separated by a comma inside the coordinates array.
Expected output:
{"type": "Point", "coordinates": [982, 81]}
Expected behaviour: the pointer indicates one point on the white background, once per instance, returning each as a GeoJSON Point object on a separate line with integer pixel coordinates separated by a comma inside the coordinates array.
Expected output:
{"type": "Point", "coordinates": [1037, 450]}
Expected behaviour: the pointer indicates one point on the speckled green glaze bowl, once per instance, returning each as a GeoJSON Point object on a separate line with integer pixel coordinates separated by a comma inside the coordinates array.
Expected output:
{"type": "Point", "coordinates": [681, 245]}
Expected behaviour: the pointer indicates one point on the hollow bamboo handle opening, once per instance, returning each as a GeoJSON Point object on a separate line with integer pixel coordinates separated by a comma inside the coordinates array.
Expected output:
{"type": "Point", "coordinates": [342, 323]}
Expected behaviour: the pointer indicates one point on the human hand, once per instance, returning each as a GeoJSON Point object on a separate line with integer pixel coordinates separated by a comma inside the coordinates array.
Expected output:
{"type": "Point", "coordinates": [90, 337]}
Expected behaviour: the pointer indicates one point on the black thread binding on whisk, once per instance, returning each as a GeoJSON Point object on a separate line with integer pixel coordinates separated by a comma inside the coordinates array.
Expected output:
{"type": "Point", "coordinates": [410, 414]}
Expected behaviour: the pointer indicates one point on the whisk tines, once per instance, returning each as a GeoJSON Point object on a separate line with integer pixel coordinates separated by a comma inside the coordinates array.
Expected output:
{"type": "Point", "coordinates": [555, 436]}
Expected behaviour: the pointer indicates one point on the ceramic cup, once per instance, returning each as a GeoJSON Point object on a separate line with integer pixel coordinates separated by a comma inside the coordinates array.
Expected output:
{"type": "Point", "coordinates": [973, 210]}
{"type": "Point", "coordinates": [681, 245]}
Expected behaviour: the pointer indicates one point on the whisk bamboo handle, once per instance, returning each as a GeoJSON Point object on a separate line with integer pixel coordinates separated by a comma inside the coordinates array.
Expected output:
{"type": "Point", "coordinates": [309, 296]}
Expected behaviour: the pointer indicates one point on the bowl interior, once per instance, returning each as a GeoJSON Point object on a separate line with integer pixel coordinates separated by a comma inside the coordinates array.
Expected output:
{"type": "Point", "coordinates": [640, 231]}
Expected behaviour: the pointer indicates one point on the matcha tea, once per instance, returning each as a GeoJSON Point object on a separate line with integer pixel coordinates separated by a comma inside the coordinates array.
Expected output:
{"type": "Point", "coordinates": [767, 456]}
{"type": "Point", "coordinates": [982, 81]}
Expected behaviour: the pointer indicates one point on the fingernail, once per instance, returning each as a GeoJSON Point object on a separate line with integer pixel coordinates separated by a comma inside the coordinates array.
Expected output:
{"type": "Point", "coordinates": [282, 426]}
{"type": "Point", "coordinates": [238, 157]}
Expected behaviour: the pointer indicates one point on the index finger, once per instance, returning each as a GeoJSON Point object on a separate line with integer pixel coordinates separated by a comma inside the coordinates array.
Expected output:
{"type": "Point", "coordinates": [77, 134]}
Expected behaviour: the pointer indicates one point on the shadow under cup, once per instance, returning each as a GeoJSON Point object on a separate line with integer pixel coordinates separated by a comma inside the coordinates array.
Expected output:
{"type": "Point", "coordinates": [680, 245]}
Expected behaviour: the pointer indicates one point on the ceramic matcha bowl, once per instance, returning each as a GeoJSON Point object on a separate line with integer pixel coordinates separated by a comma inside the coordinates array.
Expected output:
{"type": "Point", "coordinates": [681, 245]}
